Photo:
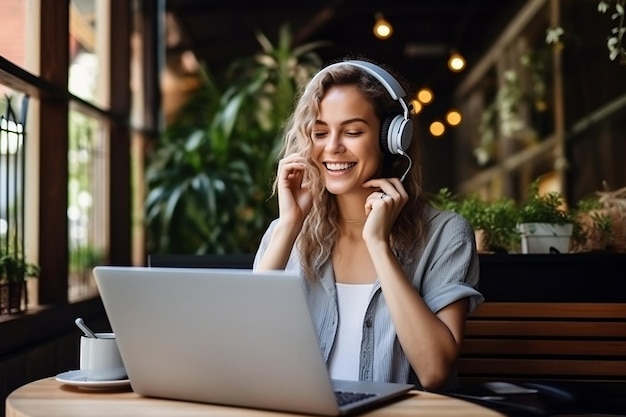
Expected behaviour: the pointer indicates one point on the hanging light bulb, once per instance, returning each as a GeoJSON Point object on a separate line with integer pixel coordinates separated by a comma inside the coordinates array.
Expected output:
{"type": "Point", "coordinates": [456, 62]}
{"type": "Point", "coordinates": [425, 95]}
{"type": "Point", "coordinates": [453, 117]}
{"type": "Point", "coordinates": [437, 128]}
{"type": "Point", "coordinates": [382, 28]}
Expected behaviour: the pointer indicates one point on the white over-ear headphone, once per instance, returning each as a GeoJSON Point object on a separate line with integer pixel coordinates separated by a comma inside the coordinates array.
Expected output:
{"type": "Point", "coordinates": [396, 131]}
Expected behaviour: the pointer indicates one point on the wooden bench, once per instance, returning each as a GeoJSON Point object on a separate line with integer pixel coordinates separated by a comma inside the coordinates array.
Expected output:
{"type": "Point", "coordinates": [514, 341]}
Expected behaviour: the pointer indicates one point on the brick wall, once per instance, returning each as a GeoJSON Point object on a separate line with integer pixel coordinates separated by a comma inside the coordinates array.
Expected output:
{"type": "Point", "coordinates": [13, 30]}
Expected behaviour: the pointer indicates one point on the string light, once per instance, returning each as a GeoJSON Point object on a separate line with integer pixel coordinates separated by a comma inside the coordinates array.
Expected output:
{"type": "Point", "coordinates": [437, 128]}
{"type": "Point", "coordinates": [453, 117]}
{"type": "Point", "coordinates": [382, 28]}
{"type": "Point", "coordinates": [456, 62]}
{"type": "Point", "coordinates": [425, 95]}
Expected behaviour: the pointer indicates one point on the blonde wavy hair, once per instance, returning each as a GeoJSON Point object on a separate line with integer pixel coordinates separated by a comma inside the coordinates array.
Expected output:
{"type": "Point", "coordinates": [322, 223]}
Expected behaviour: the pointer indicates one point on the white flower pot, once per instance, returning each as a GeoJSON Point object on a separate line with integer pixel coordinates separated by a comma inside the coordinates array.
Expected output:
{"type": "Point", "coordinates": [545, 237]}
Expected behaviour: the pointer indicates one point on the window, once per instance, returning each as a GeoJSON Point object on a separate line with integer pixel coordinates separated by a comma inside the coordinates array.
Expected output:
{"type": "Point", "coordinates": [89, 135]}
{"type": "Point", "coordinates": [77, 193]}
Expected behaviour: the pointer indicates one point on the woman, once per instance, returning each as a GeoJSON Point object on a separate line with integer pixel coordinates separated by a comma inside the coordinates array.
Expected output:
{"type": "Point", "coordinates": [389, 279]}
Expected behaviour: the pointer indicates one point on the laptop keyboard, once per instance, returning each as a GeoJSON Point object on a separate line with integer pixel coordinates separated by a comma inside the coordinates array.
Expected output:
{"type": "Point", "coordinates": [346, 397]}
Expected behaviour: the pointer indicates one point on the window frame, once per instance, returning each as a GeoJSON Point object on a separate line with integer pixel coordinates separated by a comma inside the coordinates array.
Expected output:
{"type": "Point", "coordinates": [54, 313]}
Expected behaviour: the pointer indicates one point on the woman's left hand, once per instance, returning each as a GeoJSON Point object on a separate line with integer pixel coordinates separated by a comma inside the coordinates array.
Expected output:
{"type": "Point", "coordinates": [382, 207]}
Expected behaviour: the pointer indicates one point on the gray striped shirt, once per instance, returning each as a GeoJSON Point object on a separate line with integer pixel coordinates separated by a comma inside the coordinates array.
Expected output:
{"type": "Point", "coordinates": [443, 270]}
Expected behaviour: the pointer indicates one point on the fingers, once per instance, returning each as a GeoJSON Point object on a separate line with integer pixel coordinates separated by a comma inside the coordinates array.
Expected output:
{"type": "Point", "coordinates": [294, 197]}
{"type": "Point", "coordinates": [390, 189]}
{"type": "Point", "coordinates": [292, 162]}
{"type": "Point", "coordinates": [389, 195]}
{"type": "Point", "coordinates": [382, 207]}
{"type": "Point", "coordinates": [291, 168]}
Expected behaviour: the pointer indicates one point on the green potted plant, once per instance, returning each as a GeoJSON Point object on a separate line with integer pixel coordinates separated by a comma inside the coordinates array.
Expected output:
{"type": "Point", "coordinates": [499, 222]}
{"type": "Point", "coordinates": [544, 223]}
{"type": "Point", "coordinates": [594, 226]}
{"type": "Point", "coordinates": [494, 223]}
{"type": "Point", "coordinates": [14, 271]}
{"type": "Point", "coordinates": [601, 222]}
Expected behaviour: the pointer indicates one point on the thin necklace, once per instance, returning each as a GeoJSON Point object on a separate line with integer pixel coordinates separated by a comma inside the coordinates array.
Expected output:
{"type": "Point", "coordinates": [355, 221]}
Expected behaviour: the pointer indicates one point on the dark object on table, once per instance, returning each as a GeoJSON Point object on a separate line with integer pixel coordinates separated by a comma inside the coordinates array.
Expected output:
{"type": "Point", "coordinates": [552, 398]}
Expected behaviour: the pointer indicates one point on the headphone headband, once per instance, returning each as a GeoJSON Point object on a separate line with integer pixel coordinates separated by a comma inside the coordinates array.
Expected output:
{"type": "Point", "coordinates": [388, 81]}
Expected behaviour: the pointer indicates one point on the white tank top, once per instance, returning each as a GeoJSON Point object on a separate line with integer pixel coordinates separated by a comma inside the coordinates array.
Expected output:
{"type": "Point", "coordinates": [344, 358]}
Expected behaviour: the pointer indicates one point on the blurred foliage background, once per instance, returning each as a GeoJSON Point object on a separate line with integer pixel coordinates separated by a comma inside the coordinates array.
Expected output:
{"type": "Point", "coordinates": [209, 177]}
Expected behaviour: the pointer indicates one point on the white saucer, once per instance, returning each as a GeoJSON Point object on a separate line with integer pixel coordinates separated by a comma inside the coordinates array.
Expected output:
{"type": "Point", "coordinates": [78, 379]}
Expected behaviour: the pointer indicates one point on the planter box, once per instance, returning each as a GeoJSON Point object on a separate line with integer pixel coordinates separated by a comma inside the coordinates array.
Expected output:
{"type": "Point", "coordinates": [545, 237]}
{"type": "Point", "coordinates": [594, 277]}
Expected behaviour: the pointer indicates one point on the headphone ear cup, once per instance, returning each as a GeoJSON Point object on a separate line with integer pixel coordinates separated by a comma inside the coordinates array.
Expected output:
{"type": "Point", "coordinates": [396, 134]}
{"type": "Point", "coordinates": [384, 134]}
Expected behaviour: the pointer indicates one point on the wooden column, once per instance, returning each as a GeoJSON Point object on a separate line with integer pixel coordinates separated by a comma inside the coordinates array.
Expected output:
{"type": "Point", "coordinates": [119, 145]}
{"type": "Point", "coordinates": [560, 158]}
{"type": "Point", "coordinates": [53, 172]}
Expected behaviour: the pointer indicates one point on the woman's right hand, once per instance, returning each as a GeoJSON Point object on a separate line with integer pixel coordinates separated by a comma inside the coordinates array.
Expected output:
{"type": "Point", "coordinates": [294, 204]}
{"type": "Point", "coordinates": [294, 197]}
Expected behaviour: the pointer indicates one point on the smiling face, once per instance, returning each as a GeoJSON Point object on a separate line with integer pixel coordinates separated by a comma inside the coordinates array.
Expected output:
{"type": "Point", "coordinates": [346, 140]}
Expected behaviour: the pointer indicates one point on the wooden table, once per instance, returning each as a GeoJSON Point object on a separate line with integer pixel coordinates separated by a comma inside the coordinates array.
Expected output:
{"type": "Point", "coordinates": [48, 397]}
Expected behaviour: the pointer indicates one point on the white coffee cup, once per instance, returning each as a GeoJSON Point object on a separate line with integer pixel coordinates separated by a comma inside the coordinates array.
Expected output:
{"type": "Point", "coordinates": [100, 358]}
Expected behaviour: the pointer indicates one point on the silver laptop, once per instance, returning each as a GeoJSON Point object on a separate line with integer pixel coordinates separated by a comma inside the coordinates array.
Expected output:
{"type": "Point", "coordinates": [226, 336]}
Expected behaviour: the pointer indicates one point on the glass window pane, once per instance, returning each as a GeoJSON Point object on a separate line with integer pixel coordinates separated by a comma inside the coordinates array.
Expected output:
{"type": "Point", "coordinates": [17, 167]}
{"type": "Point", "coordinates": [87, 207]}
{"type": "Point", "coordinates": [19, 25]}
{"type": "Point", "coordinates": [88, 46]}
{"type": "Point", "coordinates": [12, 185]}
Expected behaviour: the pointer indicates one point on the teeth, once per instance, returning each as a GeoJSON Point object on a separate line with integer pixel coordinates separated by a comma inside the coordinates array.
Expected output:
{"type": "Point", "coordinates": [338, 166]}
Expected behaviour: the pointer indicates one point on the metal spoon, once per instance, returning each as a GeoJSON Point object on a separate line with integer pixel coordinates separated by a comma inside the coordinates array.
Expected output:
{"type": "Point", "coordinates": [81, 325]}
